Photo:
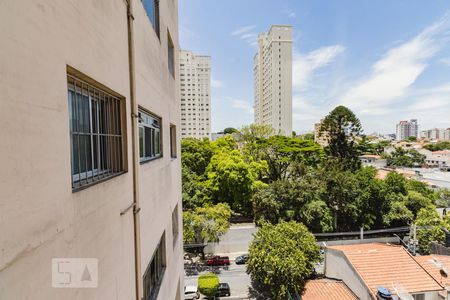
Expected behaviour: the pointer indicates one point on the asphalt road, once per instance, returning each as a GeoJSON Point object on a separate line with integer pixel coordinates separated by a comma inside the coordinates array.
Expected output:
{"type": "Point", "coordinates": [234, 243]}
{"type": "Point", "coordinates": [235, 276]}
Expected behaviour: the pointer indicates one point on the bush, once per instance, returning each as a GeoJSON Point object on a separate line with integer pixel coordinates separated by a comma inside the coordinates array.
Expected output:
{"type": "Point", "coordinates": [208, 284]}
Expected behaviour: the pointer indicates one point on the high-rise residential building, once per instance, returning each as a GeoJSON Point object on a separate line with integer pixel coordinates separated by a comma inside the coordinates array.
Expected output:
{"type": "Point", "coordinates": [436, 134]}
{"type": "Point", "coordinates": [272, 72]}
{"type": "Point", "coordinates": [406, 129]}
{"type": "Point", "coordinates": [195, 91]}
{"type": "Point", "coordinates": [90, 159]}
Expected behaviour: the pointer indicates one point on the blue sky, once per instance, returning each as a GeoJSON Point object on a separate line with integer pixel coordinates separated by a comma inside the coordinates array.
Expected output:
{"type": "Point", "coordinates": [386, 60]}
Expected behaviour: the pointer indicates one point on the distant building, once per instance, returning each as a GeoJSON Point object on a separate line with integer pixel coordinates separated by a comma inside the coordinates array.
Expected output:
{"type": "Point", "coordinates": [217, 135]}
{"type": "Point", "coordinates": [272, 74]}
{"type": "Point", "coordinates": [195, 91]}
{"type": "Point", "coordinates": [321, 139]}
{"type": "Point", "coordinates": [406, 129]}
{"type": "Point", "coordinates": [373, 160]}
{"type": "Point", "coordinates": [436, 134]}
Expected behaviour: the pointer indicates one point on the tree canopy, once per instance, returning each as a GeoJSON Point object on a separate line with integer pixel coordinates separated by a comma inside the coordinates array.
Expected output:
{"type": "Point", "coordinates": [282, 258]}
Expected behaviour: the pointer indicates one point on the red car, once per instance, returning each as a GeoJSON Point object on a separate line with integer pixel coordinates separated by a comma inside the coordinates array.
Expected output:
{"type": "Point", "coordinates": [218, 261]}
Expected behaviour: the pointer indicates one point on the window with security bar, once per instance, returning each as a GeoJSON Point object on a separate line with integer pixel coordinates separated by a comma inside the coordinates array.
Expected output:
{"type": "Point", "coordinates": [149, 136]}
{"type": "Point", "coordinates": [96, 133]}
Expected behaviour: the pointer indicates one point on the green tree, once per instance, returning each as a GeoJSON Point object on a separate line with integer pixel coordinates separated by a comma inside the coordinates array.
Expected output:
{"type": "Point", "coordinates": [195, 192]}
{"type": "Point", "coordinates": [196, 154]}
{"type": "Point", "coordinates": [405, 158]}
{"type": "Point", "coordinates": [398, 215]}
{"type": "Point", "coordinates": [445, 145]}
{"type": "Point", "coordinates": [208, 284]}
{"type": "Point", "coordinates": [429, 228]}
{"type": "Point", "coordinates": [415, 201]}
{"type": "Point", "coordinates": [280, 152]}
{"type": "Point", "coordinates": [282, 258]}
{"type": "Point", "coordinates": [232, 180]}
{"type": "Point", "coordinates": [230, 130]}
{"type": "Point", "coordinates": [341, 128]}
{"type": "Point", "coordinates": [206, 224]}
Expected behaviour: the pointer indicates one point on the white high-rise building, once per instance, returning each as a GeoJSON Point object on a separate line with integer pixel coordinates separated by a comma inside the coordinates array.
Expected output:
{"type": "Point", "coordinates": [272, 73]}
{"type": "Point", "coordinates": [195, 90]}
{"type": "Point", "coordinates": [406, 129]}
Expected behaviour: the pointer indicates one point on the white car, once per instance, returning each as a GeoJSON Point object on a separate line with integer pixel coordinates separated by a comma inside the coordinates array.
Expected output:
{"type": "Point", "coordinates": [191, 292]}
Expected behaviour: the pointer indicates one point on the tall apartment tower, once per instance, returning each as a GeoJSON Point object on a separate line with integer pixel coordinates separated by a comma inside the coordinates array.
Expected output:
{"type": "Point", "coordinates": [406, 129]}
{"type": "Point", "coordinates": [195, 91]}
{"type": "Point", "coordinates": [90, 183]}
{"type": "Point", "coordinates": [272, 74]}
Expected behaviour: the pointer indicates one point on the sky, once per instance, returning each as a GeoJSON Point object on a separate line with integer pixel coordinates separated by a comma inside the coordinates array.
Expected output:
{"type": "Point", "coordinates": [385, 60]}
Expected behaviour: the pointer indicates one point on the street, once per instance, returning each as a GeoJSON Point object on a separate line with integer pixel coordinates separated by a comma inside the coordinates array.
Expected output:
{"type": "Point", "coordinates": [235, 276]}
{"type": "Point", "coordinates": [234, 243]}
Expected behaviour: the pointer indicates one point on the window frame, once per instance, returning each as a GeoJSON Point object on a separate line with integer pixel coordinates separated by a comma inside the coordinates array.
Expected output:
{"type": "Point", "coordinates": [175, 224]}
{"type": "Point", "coordinates": [142, 125]}
{"type": "Point", "coordinates": [161, 265]}
{"type": "Point", "coordinates": [173, 141]}
{"type": "Point", "coordinates": [105, 147]}
{"type": "Point", "coordinates": [156, 16]}
{"type": "Point", "coordinates": [170, 54]}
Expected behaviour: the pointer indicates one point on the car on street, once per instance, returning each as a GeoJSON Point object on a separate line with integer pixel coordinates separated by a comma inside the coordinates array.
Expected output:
{"type": "Point", "coordinates": [241, 259]}
{"type": "Point", "coordinates": [223, 290]}
{"type": "Point", "coordinates": [218, 261]}
{"type": "Point", "coordinates": [191, 292]}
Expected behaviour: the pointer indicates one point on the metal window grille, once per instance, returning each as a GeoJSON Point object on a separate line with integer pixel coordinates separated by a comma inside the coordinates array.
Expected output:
{"type": "Point", "coordinates": [95, 133]}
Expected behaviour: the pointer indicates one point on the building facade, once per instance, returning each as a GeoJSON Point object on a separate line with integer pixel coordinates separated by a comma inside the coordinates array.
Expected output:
{"type": "Point", "coordinates": [406, 129]}
{"type": "Point", "coordinates": [436, 134]}
{"type": "Point", "coordinates": [195, 91]}
{"type": "Point", "coordinates": [92, 171]}
{"type": "Point", "coordinates": [272, 73]}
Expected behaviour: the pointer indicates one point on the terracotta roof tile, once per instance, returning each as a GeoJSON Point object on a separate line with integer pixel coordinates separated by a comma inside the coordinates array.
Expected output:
{"type": "Point", "coordinates": [321, 289]}
{"type": "Point", "coordinates": [432, 263]}
{"type": "Point", "coordinates": [390, 266]}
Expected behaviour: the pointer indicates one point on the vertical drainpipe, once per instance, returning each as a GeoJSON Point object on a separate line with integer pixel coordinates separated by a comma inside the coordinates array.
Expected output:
{"type": "Point", "coordinates": [135, 148]}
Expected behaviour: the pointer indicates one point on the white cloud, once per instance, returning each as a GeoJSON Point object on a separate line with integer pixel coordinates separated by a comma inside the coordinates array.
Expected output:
{"type": "Point", "coordinates": [289, 12]}
{"type": "Point", "coordinates": [245, 106]}
{"type": "Point", "coordinates": [247, 34]}
{"type": "Point", "coordinates": [216, 83]}
{"type": "Point", "coordinates": [393, 75]}
{"type": "Point", "coordinates": [242, 30]}
{"type": "Point", "coordinates": [303, 66]}
{"type": "Point", "coordinates": [445, 61]}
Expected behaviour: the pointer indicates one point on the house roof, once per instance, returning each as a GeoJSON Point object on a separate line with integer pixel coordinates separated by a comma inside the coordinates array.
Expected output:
{"type": "Point", "coordinates": [390, 266]}
{"type": "Point", "coordinates": [432, 264]}
{"type": "Point", "coordinates": [325, 288]}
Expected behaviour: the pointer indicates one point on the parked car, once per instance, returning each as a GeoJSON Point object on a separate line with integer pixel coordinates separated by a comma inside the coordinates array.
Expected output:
{"type": "Point", "coordinates": [191, 292]}
{"type": "Point", "coordinates": [218, 261]}
{"type": "Point", "coordinates": [223, 290]}
{"type": "Point", "coordinates": [241, 259]}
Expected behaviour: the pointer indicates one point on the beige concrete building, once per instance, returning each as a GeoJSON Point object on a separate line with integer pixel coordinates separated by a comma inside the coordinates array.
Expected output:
{"type": "Point", "coordinates": [272, 73]}
{"type": "Point", "coordinates": [320, 138]}
{"type": "Point", "coordinates": [90, 161]}
{"type": "Point", "coordinates": [195, 90]}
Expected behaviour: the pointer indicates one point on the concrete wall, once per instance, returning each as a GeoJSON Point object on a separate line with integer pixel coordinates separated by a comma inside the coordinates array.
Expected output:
{"type": "Point", "coordinates": [337, 266]}
{"type": "Point", "coordinates": [40, 217]}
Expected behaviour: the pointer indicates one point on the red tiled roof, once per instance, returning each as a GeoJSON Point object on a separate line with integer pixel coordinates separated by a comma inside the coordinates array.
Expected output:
{"type": "Point", "coordinates": [321, 289]}
{"type": "Point", "coordinates": [432, 264]}
{"type": "Point", "coordinates": [390, 266]}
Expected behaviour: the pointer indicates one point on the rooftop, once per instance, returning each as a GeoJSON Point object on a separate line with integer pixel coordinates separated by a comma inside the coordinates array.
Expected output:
{"type": "Point", "coordinates": [320, 289]}
{"type": "Point", "coordinates": [433, 264]}
{"type": "Point", "coordinates": [390, 266]}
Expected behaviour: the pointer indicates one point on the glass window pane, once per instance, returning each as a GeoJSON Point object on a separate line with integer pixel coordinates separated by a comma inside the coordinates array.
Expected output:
{"type": "Point", "coordinates": [141, 142]}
